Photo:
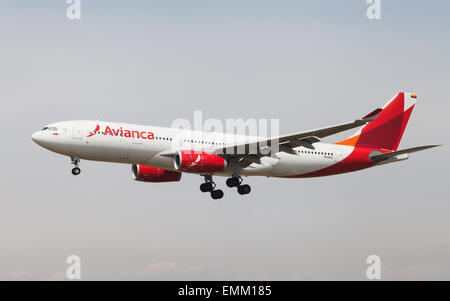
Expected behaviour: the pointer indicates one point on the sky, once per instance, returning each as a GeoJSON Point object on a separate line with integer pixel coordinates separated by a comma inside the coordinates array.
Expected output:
{"type": "Point", "coordinates": [307, 63]}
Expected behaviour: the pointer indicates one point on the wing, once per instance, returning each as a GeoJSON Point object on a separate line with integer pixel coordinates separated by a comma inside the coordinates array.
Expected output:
{"type": "Point", "coordinates": [262, 147]}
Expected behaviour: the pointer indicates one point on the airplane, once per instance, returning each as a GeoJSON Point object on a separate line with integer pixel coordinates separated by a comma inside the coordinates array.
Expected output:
{"type": "Point", "coordinates": [160, 154]}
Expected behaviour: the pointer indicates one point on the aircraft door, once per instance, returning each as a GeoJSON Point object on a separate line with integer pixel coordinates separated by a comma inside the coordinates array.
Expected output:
{"type": "Point", "coordinates": [338, 156]}
{"type": "Point", "coordinates": [77, 131]}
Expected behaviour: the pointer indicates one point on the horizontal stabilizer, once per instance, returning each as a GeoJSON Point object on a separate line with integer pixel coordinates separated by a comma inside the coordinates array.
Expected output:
{"type": "Point", "coordinates": [384, 156]}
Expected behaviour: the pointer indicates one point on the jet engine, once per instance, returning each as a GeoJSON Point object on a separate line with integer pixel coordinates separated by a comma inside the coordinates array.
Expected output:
{"type": "Point", "coordinates": [155, 175]}
{"type": "Point", "coordinates": [199, 162]}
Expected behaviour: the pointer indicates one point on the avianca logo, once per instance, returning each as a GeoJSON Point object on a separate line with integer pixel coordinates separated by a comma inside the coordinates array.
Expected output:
{"type": "Point", "coordinates": [196, 161]}
{"type": "Point", "coordinates": [122, 132]}
{"type": "Point", "coordinates": [97, 129]}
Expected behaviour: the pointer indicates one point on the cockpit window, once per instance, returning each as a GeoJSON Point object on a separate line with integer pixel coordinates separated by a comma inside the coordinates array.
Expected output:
{"type": "Point", "coordinates": [50, 128]}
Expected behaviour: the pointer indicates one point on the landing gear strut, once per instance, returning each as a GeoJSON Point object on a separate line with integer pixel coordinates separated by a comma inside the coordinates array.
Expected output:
{"type": "Point", "coordinates": [236, 181]}
{"type": "Point", "coordinates": [209, 186]}
{"type": "Point", "coordinates": [76, 170]}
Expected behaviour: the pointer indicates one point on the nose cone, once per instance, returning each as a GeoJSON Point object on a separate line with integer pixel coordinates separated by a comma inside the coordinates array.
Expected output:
{"type": "Point", "coordinates": [34, 137]}
{"type": "Point", "coordinates": [38, 138]}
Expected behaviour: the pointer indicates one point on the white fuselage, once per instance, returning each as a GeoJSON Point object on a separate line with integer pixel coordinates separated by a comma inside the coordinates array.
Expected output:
{"type": "Point", "coordinates": [149, 145]}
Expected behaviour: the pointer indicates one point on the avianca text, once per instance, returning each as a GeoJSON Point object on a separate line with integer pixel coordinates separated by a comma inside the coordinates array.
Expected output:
{"type": "Point", "coordinates": [129, 133]}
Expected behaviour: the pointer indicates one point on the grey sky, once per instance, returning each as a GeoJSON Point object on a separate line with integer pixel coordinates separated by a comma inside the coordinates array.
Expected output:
{"type": "Point", "coordinates": [308, 63]}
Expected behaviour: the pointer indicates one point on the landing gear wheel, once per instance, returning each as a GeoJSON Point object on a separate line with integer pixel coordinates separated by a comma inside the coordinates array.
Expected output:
{"type": "Point", "coordinates": [206, 187]}
{"type": "Point", "coordinates": [217, 194]}
{"type": "Point", "coordinates": [244, 189]}
{"type": "Point", "coordinates": [76, 171]}
{"type": "Point", "coordinates": [209, 184]}
{"type": "Point", "coordinates": [233, 182]}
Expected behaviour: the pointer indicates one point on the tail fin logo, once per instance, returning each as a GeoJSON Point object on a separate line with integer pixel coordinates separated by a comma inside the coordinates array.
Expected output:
{"type": "Point", "coordinates": [388, 126]}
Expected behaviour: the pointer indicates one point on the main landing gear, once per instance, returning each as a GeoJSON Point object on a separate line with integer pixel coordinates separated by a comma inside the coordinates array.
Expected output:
{"type": "Point", "coordinates": [236, 181]}
{"type": "Point", "coordinates": [76, 170]}
{"type": "Point", "coordinates": [209, 186]}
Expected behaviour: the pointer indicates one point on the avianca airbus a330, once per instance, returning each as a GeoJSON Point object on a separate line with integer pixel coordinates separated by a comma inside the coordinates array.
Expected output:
{"type": "Point", "coordinates": [160, 154]}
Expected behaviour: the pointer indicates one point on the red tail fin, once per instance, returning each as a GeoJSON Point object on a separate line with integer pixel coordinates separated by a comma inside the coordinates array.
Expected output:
{"type": "Point", "coordinates": [387, 129]}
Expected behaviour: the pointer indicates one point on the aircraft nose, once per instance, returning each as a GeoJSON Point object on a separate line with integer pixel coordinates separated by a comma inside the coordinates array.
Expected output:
{"type": "Point", "coordinates": [37, 137]}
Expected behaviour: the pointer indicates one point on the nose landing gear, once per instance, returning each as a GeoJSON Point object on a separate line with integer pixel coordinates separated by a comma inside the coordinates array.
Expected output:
{"type": "Point", "coordinates": [76, 170]}
{"type": "Point", "coordinates": [209, 186]}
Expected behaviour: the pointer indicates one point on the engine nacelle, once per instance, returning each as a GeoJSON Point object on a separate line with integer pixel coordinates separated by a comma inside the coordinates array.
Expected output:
{"type": "Point", "coordinates": [155, 175]}
{"type": "Point", "coordinates": [197, 161]}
